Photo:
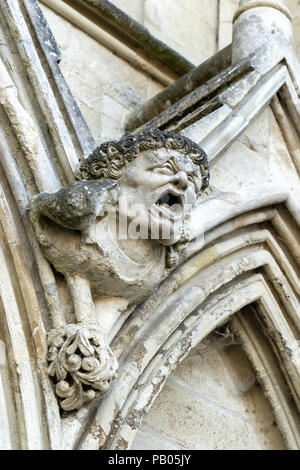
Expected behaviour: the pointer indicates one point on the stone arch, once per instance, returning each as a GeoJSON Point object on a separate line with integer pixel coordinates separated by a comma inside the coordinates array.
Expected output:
{"type": "Point", "coordinates": [216, 397]}
{"type": "Point", "coordinates": [23, 412]}
{"type": "Point", "coordinates": [245, 260]}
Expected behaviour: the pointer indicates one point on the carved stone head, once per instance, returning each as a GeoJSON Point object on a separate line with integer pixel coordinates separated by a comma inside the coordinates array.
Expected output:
{"type": "Point", "coordinates": [160, 175]}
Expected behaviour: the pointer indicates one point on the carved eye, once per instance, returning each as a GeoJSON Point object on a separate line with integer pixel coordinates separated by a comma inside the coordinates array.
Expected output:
{"type": "Point", "coordinates": [205, 183]}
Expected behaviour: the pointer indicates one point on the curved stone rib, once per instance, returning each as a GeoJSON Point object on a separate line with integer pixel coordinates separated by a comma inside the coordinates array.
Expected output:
{"type": "Point", "coordinates": [43, 92]}
{"type": "Point", "coordinates": [270, 378]}
{"type": "Point", "coordinates": [24, 283]}
{"type": "Point", "coordinates": [200, 286]}
{"type": "Point", "coordinates": [20, 193]}
{"type": "Point", "coordinates": [27, 134]}
{"type": "Point", "coordinates": [27, 401]}
{"type": "Point", "coordinates": [173, 313]}
{"type": "Point", "coordinates": [203, 259]}
{"type": "Point", "coordinates": [200, 323]}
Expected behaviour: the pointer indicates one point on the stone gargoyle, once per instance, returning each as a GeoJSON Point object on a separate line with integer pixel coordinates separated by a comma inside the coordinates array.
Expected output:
{"type": "Point", "coordinates": [119, 227]}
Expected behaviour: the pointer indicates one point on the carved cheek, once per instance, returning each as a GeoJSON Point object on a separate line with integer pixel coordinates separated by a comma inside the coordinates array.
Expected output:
{"type": "Point", "coordinates": [160, 179]}
{"type": "Point", "coordinates": [198, 184]}
{"type": "Point", "coordinates": [191, 195]}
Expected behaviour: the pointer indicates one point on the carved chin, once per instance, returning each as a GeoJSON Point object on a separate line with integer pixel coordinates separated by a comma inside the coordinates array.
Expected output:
{"type": "Point", "coordinates": [170, 234]}
{"type": "Point", "coordinates": [168, 223]}
{"type": "Point", "coordinates": [175, 238]}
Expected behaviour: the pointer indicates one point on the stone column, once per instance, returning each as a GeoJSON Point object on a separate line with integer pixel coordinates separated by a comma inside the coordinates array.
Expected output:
{"type": "Point", "coordinates": [259, 22]}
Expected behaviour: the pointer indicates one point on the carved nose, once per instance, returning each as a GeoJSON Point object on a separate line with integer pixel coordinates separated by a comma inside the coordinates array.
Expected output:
{"type": "Point", "coordinates": [181, 180]}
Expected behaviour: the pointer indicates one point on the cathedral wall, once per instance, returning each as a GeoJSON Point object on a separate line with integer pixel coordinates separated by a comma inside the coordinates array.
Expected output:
{"type": "Point", "coordinates": [105, 86]}
{"type": "Point", "coordinates": [297, 29]}
{"type": "Point", "coordinates": [214, 389]}
{"type": "Point", "coordinates": [258, 156]}
{"type": "Point", "coordinates": [108, 87]}
{"type": "Point", "coordinates": [179, 24]}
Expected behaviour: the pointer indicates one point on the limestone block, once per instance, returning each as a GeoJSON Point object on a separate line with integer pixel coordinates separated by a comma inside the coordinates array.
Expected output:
{"type": "Point", "coordinates": [199, 424]}
{"type": "Point", "coordinates": [291, 5]}
{"type": "Point", "coordinates": [296, 25]}
{"type": "Point", "coordinates": [211, 401]}
{"type": "Point", "coordinates": [226, 12]}
{"type": "Point", "coordinates": [147, 439]}
{"type": "Point", "coordinates": [205, 372]}
{"type": "Point", "coordinates": [251, 151]}
{"type": "Point", "coordinates": [133, 8]}
{"type": "Point", "coordinates": [188, 27]}
{"type": "Point", "coordinates": [112, 116]}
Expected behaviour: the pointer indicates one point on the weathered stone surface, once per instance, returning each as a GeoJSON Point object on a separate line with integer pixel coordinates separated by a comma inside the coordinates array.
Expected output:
{"type": "Point", "coordinates": [213, 389]}
{"type": "Point", "coordinates": [236, 274]}
{"type": "Point", "coordinates": [108, 88]}
{"type": "Point", "coordinates": [81, 363]}
{"type": "Point", "coordinates": [178, 24]}
{"type": "Point", "coordinates": [163, 173]}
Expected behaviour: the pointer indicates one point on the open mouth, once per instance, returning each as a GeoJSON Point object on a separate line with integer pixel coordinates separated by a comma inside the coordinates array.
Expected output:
{"type": "Point", "coordinates": [168, 201]}
{"type": "Point", "coordinates": [170, 205]}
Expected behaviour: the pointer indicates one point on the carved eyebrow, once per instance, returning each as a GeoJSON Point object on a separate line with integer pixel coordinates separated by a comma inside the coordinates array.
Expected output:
{"type": "Point", "coordinates": [189, 172]}
{"type": "Point", "coordinates": [159, 165]}
{"type": "Point", "coordinates": [172, 163]}
{"type": "Point", "coordinates": [175, 167]}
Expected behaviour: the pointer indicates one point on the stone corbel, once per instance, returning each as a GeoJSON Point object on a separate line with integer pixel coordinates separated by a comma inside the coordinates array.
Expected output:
{"type": "Point", "coordinates": [79, 229]}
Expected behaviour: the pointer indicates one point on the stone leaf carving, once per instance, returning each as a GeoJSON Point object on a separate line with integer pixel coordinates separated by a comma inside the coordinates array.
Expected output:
{"type": "Point", "coordinates": [81, 363]}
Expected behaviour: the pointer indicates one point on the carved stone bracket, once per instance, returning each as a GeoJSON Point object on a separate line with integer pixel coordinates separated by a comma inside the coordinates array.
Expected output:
{"type": "Point", "coordinates": [81, 363]}
{"type": "Point", "coordinates": [79, 229]}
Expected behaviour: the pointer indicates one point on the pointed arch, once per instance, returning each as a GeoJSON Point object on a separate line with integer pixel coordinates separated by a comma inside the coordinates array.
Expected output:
{"type": "Point", "coordinates": [250, 259]}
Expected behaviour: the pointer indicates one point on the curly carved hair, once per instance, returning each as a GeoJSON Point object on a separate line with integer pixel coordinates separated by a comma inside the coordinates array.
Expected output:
{"type": "Point", "coordinates": [110, 158]}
